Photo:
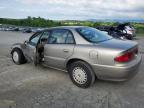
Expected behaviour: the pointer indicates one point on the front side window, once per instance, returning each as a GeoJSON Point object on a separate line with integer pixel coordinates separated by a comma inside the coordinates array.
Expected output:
{"type": "Point", "coordinates": [92, 35]}
{"type": "Point", "coordinates": [45, 35]}
{"type": "Point", "coordinates": [35, 38]}
{"type": "Point", "coordinates": [61, 36]}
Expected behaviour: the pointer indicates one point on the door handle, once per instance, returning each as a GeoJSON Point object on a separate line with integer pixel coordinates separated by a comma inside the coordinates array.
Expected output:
{"type": "Point", "coordinates": [66, 50]}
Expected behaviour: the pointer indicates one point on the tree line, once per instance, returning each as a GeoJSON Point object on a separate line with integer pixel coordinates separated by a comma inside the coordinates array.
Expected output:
{"type": "Point", "coordinates": [41, 22]}
{"type": "Point", "coordinates": [30, 21]}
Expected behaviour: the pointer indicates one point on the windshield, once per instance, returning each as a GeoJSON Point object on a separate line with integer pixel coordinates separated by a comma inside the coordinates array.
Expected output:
{"type": "Point", "coordinates": [93, 35]}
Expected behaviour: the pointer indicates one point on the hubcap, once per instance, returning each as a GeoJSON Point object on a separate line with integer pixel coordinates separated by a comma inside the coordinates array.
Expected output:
{"type": "Point", "coordinates": [79, 75]}
{"type": "Point", "coordinates": [15, 56]}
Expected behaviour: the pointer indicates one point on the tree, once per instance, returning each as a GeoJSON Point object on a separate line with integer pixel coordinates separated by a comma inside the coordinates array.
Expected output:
{"type": "Point", "coordinates": [96, 24]}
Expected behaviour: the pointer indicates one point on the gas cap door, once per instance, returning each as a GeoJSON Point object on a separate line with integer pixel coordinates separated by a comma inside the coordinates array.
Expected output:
{"type": "Point", "coordinates": [93, 56]}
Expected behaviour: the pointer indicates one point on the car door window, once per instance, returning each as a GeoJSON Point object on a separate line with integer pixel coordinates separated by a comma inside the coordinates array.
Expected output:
{"type": "Point", "coordinates": [35, 38]}
{"type": "Point", "coordinates": [61, 37]}
{"type": "Point", "coordinates": [69, 39]}
{"type": "Point", "coordinates": [45, 35]}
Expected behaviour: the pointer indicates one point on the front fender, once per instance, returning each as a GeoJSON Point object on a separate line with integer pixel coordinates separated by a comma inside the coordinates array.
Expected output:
{"type": "Point", "coordinates": [21, 46]}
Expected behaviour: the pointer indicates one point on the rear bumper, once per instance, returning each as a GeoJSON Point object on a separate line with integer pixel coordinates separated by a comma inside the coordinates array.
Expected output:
{"type": "Point", "coordinates": [117, 73]}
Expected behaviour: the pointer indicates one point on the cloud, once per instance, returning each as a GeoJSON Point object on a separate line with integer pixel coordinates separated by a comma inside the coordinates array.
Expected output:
{"type": "Point", "coordinates": [78, 8]}
{"type": "Point", "coordinates": [2, 7]}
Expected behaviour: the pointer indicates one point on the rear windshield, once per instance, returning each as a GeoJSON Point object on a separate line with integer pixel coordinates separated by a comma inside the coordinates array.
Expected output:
{"type": "Point", "coordinates": [93, 35]}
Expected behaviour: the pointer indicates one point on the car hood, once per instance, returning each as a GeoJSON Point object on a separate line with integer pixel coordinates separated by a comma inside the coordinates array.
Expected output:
{"type": "Point", "coordinates": [17, 44]}
{"type": "Point", "coordinates": [118, 44]}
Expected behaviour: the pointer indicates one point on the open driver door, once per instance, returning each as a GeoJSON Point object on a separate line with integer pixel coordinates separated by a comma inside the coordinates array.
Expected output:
{"type": "Point", "coordinates": [39, 53]}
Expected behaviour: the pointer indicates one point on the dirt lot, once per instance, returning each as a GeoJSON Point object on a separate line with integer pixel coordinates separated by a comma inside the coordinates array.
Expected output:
{"type": "Point", "coordinates": [27, 86]}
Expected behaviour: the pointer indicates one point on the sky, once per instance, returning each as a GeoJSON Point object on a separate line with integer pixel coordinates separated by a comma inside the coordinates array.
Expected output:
{"type": "Point", "coordinates": [72, 9]}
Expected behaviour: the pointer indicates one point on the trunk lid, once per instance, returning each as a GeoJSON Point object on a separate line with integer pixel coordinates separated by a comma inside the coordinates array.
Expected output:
{"type": "Point", "coordinates": [118, 44]}
{"type": "Point", "coordinates": [110, 49]}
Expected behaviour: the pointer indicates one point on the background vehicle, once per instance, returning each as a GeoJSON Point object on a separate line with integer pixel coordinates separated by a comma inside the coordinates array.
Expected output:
{"type": "Point", "coordinates": [14, 29]}
{"type": "Point", "coordinates": [86, 53]}
{"type": "Point", "coordinates": [116, 33]}
{"type": "Point", "coordinates": [122, 31]}
{"type": "Point", "coordinates": [27, 30]}
{"type": "Point", "coordinates": [127, 29]}
{"type": "Point", "coordinates": [103, 28]}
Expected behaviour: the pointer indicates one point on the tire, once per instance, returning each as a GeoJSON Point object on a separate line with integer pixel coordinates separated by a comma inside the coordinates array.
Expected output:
{"type": "Point", "coordinates": [81, 74]}
{"type": "Point", "coordinates": [18, 57]}
{"type": "Point", "coordinates": [129, 37]}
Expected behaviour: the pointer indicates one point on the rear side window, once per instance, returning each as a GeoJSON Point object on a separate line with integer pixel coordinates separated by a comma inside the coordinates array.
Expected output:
{"type": "Point", "coordinates": [69, 38]}
{"type": "Point", "coordinates": [61, 36]}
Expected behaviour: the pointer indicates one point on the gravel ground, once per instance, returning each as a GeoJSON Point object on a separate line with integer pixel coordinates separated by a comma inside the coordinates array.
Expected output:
{"type": "Point", "coordinates": [27, 86]}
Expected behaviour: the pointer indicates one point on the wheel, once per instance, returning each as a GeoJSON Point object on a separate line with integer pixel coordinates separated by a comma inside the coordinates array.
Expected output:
{"type": "Point", "coordinates": [129, 37]}
{"type": "Point", "coordinates": [18, 57]}
{"type": "Point", "coordinates": [81, 74]}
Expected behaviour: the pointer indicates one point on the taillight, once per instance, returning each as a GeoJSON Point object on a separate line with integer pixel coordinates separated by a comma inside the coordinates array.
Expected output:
{"type": "Point", "coordinates": [126, 56]}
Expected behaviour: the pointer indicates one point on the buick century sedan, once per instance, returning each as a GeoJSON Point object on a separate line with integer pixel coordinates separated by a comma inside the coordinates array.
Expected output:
{"type": "Point", "coordinates": [84, 52]}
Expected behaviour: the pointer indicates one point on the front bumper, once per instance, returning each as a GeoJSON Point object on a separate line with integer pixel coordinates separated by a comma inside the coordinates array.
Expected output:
{"type": "Point", "coordinates": [117, 73]}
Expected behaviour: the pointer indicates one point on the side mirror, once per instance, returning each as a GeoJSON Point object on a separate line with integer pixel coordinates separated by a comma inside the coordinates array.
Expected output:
{"type": "Point", "coordinates": [26, 42]}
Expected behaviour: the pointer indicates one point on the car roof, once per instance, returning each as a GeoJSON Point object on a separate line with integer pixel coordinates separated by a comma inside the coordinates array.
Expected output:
{"type": "Point", "coordinates": [63, 27]}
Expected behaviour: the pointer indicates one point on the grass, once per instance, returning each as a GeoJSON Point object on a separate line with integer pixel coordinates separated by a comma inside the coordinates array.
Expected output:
{"type": "Point", "coordinates": [140, 34]}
